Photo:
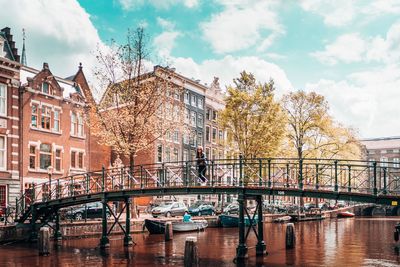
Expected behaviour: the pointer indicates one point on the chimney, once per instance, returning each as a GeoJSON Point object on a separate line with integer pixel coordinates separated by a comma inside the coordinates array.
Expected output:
{"type": "Point", "coordinates": [45, 66]}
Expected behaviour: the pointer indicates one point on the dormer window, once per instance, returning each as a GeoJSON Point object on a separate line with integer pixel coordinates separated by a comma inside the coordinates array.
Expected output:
{"type": "Point", "coordinates": [45, 88]}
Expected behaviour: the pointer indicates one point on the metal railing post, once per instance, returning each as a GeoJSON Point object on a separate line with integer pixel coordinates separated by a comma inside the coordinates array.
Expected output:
{"type": "Point", "coordinates": [187, 173]}
{"type": "Point", "coordinates": [212, 173]}
{"type": "Point", "coordinates": [141, 176]}
{"type": "Point", "coordinates": [72, 186]}
{"type": "Point", "coordinates": [316, 176]}
{"type": "Point", "coordinates": [269, 173]}
{"type": "Point", "coordinates": [336, 176]}
{"type": "Point", "coordinates": [87, 183]}
{"type": "Point", "coordinates": [240, 170]}
{"type": "Point", "coordinates": [259, 172]}
{"type": "Point", "coordinates": [375, 189]}
{"type": "Point", "coordinates": [163, 174]}
{"type": "Point", "coordinates": [384, 181]}
{"type": "Point", "coordinates": [287, 175]}
{"type": "Point", "coordinates": [349, 182]}
{"type": "Point", "coordinates": [301, 174]}
{"type": "Point", "coordinates": [103, 178]}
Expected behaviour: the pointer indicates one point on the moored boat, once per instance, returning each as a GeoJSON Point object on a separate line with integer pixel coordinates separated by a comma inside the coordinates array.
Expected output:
{"type": "Point", "coordinates": [345, 214]}
{"type": "Point", "coordinates": [189, 226]}
{"type": "Point", "coordinates": [158, 226]}
{"type": "Point", "coordinates": [283, 219]}
{"type": "Point", "coordinates": [155, 226]}
{"type": "Point", "coordinates": [233, 220]}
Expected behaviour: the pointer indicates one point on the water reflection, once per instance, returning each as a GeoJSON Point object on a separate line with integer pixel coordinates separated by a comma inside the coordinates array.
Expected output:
{"type": "Point", "coordinates": [342, 242]}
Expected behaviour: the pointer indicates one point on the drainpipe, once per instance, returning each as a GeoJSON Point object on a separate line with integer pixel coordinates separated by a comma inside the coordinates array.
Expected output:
{"type": "Point", "coordinates": [21, 136]}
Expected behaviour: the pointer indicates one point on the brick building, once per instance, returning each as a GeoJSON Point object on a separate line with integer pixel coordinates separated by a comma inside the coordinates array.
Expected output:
{"type": "Point", "coordinates": [9, 119]}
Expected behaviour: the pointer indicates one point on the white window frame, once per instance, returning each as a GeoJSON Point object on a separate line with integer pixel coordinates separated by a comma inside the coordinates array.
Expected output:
{"type": "Point", "coordinates": [4, 86]}
{"type": "Point", "coordinates": [384, 162]}
{"type": "Point", "coordinates": [57, 120]}
{"type": "Point", "coordinates": [4, 150]}
{"type": "Point", "coordinates": [77, 151]}
{"type": "Point", "coordinates": [396, 162]}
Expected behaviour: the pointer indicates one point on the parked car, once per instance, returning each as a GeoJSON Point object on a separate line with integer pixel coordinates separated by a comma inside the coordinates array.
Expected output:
{"type": "Point", "coordinates": [169, 209]}
{"type": "Point", "coordinates": [232, 208]}
{"type": "Point", "coordinates": [87, 211]}
{"type": "Point", "coordinates": [199, 209]}
{"type": "Point", "coordinates": [220, 208]}
{"type": "Point", "coordinates": [309, 206]}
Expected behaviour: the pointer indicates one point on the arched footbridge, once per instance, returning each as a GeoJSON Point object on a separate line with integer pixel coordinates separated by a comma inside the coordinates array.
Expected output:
{"type": "Point", "coordinates": [349, 180]}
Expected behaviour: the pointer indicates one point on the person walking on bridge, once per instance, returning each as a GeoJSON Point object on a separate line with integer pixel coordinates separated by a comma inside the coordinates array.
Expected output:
{"type": "Point", "coordinates": [201, 163]}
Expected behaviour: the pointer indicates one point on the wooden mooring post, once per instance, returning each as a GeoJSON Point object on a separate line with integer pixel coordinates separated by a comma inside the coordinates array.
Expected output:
{"type": "Point", "coordinates": [290, 236]}
{"type": "Point", "coordinates": [168, 234]}
{"type": "Point", "coordinates": [44, 241]}
{"type": "Point", "coordinates": [191, 253]}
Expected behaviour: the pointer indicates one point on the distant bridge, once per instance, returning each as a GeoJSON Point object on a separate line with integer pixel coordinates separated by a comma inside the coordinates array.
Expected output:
{"type": "Point", "coordinates": [349, 180]}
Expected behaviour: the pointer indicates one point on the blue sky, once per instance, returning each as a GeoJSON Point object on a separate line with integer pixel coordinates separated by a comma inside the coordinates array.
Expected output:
{"type": "Point", "coordinates": [349, 51]}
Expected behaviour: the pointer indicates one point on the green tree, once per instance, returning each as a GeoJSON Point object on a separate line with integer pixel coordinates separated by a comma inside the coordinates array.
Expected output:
{"type": "Point", "coordinates": [254, 121]}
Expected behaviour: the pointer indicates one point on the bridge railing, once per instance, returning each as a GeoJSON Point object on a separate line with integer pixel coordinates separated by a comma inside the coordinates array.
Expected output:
{"type": "Point", "coordinates": [319, 174]}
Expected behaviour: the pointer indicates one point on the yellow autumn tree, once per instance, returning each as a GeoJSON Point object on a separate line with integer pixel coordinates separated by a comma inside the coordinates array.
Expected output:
{"type": "Point", "coordinates": [254, 121]}
{"type": "Point", "coordinates": [313, 133]}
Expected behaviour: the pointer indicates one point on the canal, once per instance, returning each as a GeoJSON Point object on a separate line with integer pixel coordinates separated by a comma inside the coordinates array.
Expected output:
{"type": "Point", "coordinates": [335, 242]}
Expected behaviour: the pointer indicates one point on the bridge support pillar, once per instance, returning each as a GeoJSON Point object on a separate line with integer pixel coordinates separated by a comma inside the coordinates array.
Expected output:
{"type": "Point", "coordinates": [127, 237]}
{"type": "Point", "coordinates": [104, 241]}
{"type": "Point", "coordinates": [261, 247]}
{"type": "Point", "coordinates": [57, 233]}
{"type": "Point", "coordinates": [241, 250]}
{"type": "Point", "coordinates": [34, 234]}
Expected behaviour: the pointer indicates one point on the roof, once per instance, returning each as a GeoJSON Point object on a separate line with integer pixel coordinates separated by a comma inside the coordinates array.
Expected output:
{"type": "Point", "coordinates": [68, 85]}
{"type": "Point", "coordinates": [382, 143]}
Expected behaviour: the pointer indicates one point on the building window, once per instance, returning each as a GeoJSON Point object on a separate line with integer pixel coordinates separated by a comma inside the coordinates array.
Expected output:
{"type": "Point", "coordinates": [159, 153]}
{"type": "Point", "coordinates": [45, 88]}
{"type": "Point", "coordinates": [186, 97]}
{"type": "Point", "coordinates": [56, 126]}
{"type": "Point", "coordinates": [185, 139]}
{"type": "Point", "coordinates": [3, 195]}
{"type": "Point", "coordinates": [176, 136]}
{"type": "Point", "coordinates": [214, 134]}
{"type": "Point", "coordinates": [215, 115]}
{"type": "Point", "coordinates": [396, 162]}
{"type": "Point", "coordinates": [208, 133]}
{"type": "Point", "coordinates": [73, 159]}
{"type": "Point", "coordinates": [80, 125]}
{"type": "Point", "coordinates": [208, 152]}
{"type": "Point", "coordinates": [45, 156]}
{"type": "Point", "coordinates": [383, 151]}
{"type": "Point", "coordinates": [45, 117]}
{"type": "Point", "coordinates": [167, 154]}
{"type": "Point", "coordinates": [32, 157]}
{"type": "Point", "coordinates": [193, 100]}
{"type": "Point", "coordinates": [200, 103]}
{"type": "Point", "coordinates": [185, 155]}
{"type": "Point", "coordinates": [193, 118]}
{"type": "Point", "coordinates": [199, 138]}
{"type": "Point", "coordinates": [220, 135]}
{"type": "Point", "coordinates": [176, 156]}
{"type": "Point", "coordinates": [34, 118]}
{"type": "Point", "coordinates": [192, 139]}
{"type": "Point", "coordinates": [187, 117]}
{"type": "Point", "coordinates": [3, 154]}
{"type": "Point", "coordinates": [214, 154]}
{"type": "Point", "coordinates": [3, 99]}
{"type": "Point", "coordinates": [208, 114]}
{"type": "Point", "coordinates": [58, 160]}
{"type": "Point", "coordinates": [200, 121]}
{"type": "Point", "coordinates": [80, 160]}
{"type": "Point", "coordinates": [384, 161]}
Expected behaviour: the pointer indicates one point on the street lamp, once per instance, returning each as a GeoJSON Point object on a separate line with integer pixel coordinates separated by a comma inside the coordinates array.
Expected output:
{"type": "Point", "coordinates": [50, 173]}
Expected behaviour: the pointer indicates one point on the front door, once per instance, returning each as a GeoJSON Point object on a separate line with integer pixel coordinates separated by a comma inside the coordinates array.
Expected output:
{"type": "Point", "coordinates": [3, 198]}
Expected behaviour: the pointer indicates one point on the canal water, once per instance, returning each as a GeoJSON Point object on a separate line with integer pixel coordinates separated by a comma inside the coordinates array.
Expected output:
{"type": "Point", "coordinates": [336, 242]}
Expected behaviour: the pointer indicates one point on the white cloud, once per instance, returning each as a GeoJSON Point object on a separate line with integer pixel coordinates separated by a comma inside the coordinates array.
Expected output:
{"type": "Point", "coordinates": [347, 48]}
{"type": "Point", "coordinates": [242, 24]}
{"type": "Point", "coordinates": [229, 67]}
{"type": "Point", "coordinates": [352, 47]}
{"type": "Point", "coordinates": [365, 100]}
{"type": "Point", "coordinates": [160, 4]}
{"type": "Point", "coordinates": [343, 12]}
{"type": "Point", "coordinates": [61, 39]}
{"type": "Point", "coordinates": [165, 41]}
